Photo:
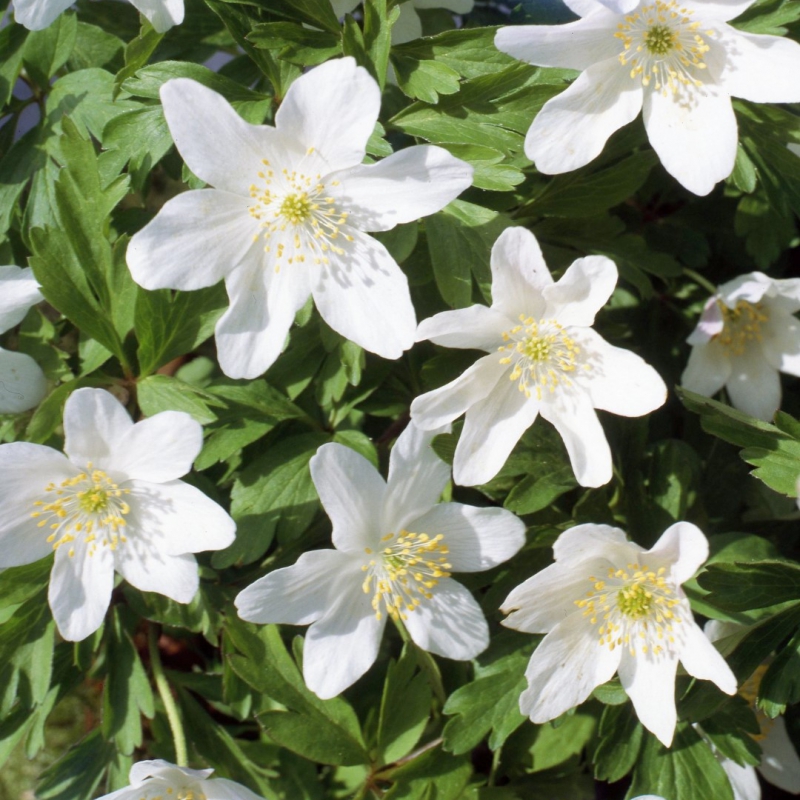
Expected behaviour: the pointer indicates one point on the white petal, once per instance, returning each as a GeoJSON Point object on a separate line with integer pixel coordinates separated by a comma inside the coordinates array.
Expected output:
{"type": "Point", "coordinates": [565, 668]}
{"type": "Point", "coordinates": [18, 292]}
{"type": "Point", "coordinates": [710, 324]}
{"type": "Point", "coordinates": [590, 541]}
{"type": "Point", "coordinates": [412, 183]}
{"type": "Point", "coordinates": [150, 570]}
{"type": "Point", "coordinates": [223, 789]}
{"type": "Point", "coordinates": [619, 381]}
{"type": "Point", "coordinates": [577, 424]}
{"type": "Point", "coordinates": [363, 295]}
{"type": "Point", "coordinates": [22, 382]}
{"type": "Point", "coordinates": [752, 286]}
{"type": "Point", "coordinates": [25, 470]}
{"type": "Point", "coordinates": [476, 327]}
{"type": "Point", "coordinates": [80, 590]}
{"type": "Point", "coordinates": [754, 386]}
{"type": "Point", "coordinates": [214, 141]}
{"type": "Point", "coordinates": [162, 14]}
{"type": "Point", "coordinates": [296, 595]}
{"type": "Point", "coordinates": [159, 768]}
{"type": "Point", "coordinates": [179, 518]}
{"type": "Point", "coordinates": [781, 342]}
{"type": "Point", "coordinates": [708, 369]}
{"type": "Point", "coordinates": [417, 477]}
{"type": "Point", "coordinates": [744, 780]}
{"type": "Point", "coordinates": [721, 9]}
{"type": "Point", "coordinates": [620, 6]}
{"type": "Point", "coordinates": [319, 112]}
{"type": "Point", "coordinates": [684, 547]}
{"type": "Point", "coordinates": [476, 538]}
{"type": "Point", "coordinates": [702, 660]}
{"type": "Point", "coordinates": [757, 66]}
{"type": "Point", "coordinates": [352, 492]}
{"type": "Point", "coordinates": [36, 15]}
{"type": "Point", "coordinates": [584, 7]}
{"type": "Point", "coordinates": [159, 449]}
{"type": "Point", "coordinates": [581, 291]}
{"type": "Point", "coordinates": [252, 332]}
{"type": "Point", "coordinates": [650, 683]}
{"type": "Point", "coordinates": [519, 275]}
{"type": "Point", "coordinates": [195, 240]}
{"type": "Point", "coordinates": [779, 762]}
{"type": "Point", "coordinates": [576, 45]}
{"type": "Point", "coordinates": [408, 25]}
{"type": "Point", "coordinates": [443, 405]}
{"type": "Point", "coordinates": [343, 645]}
{"type": "Point", "coordinates": [95, 423]}
{"type": "Point", "coordinates": [491, 429]}
{"type": "Point", "coordinates": [695, 138]}
{"type": "Point", "coordinates": [572, 128]}
{"type": "Point", "coordinates": [450, 624]}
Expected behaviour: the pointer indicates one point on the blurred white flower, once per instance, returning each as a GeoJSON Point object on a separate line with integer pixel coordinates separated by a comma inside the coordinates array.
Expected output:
{"type": "Point", "coordinates": [746, 335]}
{"type": "Point", "coordinates": [151, 780]}
{"type": "Point", "coordinates": [543, 358]}
{"type": "Point", "coordinates": [609, 605]}
{"type": "Point", "coordinates": [22, 382]}
{"type": "Point", "coordinates": [678, 62]}
{"type": "Point", "coordinates": [395, 551]}
{"type": "Point", "coordinates": [114, 502]}
{"type": "Point", "coordinates": [288, 215]}
{"type": "Point", "coordinates": [38, 14]}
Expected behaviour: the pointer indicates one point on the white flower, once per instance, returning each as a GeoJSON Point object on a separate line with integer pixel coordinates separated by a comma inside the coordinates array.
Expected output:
{"type": "Point", "coordinates": [608, 604]}
{"type": "Point", "coordinates": [747, 333]}
{"type": "Point", "coordinates": [38, 14]}
{"type": "Point", "coordinates": [114, 502]}
{"type": "Point", "coordinates": [543, 358]}
{"type": "Point", "coordinates": [160, 780]}
{"type": "Point", "coordinates": [22, 382]}
{"type": "Point", "coordinates": [288, 215]}
{"type": "Point", "coordinates": [395, 550]}
{"type": "Point", "coordinates": [678, 62]}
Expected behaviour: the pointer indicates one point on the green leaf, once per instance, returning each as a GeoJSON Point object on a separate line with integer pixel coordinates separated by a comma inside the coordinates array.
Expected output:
{"type": "Point", "coordinates": [162, 393]}
{"type": "Point", "coordinates": [489, 171]}
{"type": "Point", "coordinates": [298, 45]}
{"type": "Point", "coordinates": [76, 774]}
{"type": "Point", "coordinates": [138, 52]}
{"type": "Point", "coordinates": [743, 587]}
{"type": "Point", "coordinates": [424, 80]}
{"type": "Point", "coordinates": [619, 740]}
{"type": "Point", "coordinates": [22, 583]}
{"type": "Point", "coordinates": [46, 51]}
{"type": "Point", "coordinates": [555, 743]}
{"type": "Point", "coordinates": [535, 492]}
{"type": "Point", "coordinates": [432, 776]}
{"type": "Point", "coordinates": [731, 730]}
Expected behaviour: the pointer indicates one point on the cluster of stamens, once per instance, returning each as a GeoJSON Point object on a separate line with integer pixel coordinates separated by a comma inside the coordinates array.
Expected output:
{"type": "Point", "coordinates": [169, 793]}
{"type": "Point", "coordinates": [633, 608]}
{"type": "Point", "coordinates": [664, 46]}
{"type": "Point", "coordinates": [403, 573]}
{"type": "Point", "coordinates": [298, 217]}
{"type": "Point", "coordinates": [741, 325]}
{"type": "Point", "coordinates": [543, 355]}
{"type": "Point", "coordinates": [90, 505]}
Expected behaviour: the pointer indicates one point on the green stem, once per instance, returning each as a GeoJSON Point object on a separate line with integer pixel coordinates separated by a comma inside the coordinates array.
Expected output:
{"type": "Point", "coordinates": [170, 707]}
{"type": "Point", "coordinates": [700, 280]}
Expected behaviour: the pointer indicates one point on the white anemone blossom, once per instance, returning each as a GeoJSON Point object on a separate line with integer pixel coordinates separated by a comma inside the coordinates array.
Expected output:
{"type": "Point", "coordinates": [395, 552]}
{"type": "Point", "coordinates": [113, 502]}
{"type": "Point", "coordinates": [677, 62]}
{"type": "Point", "coordinates": [38, 14]}
{"type": "Point", "coordinates": [158, 779]}
{"type": "Point", "coordinates": [609, 605]}
{"type": "Point", "coordinates": [288, 216]}
{"type": "Point", "coordinates": [22, 382]}
{"type": "Point", "coordinates": [746, 335]}
{"type": "Point", "coordinates": [544, 358]}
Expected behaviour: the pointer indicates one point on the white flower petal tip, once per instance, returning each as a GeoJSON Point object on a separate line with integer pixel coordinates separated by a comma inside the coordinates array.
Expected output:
{"type": "Point", "coordinates": [608, 605]}
{"type": "Point", "coordinates": [544, 359]}
{"type": "Point", "coordinates": [679, 62]}
{"type": "Point", "coordinates": [36, 15]}
{"type": "Point", "coordinates": [113, 504]}
{"type": "Point", "coordinates": [396, 550]}
{"type": "Point", "coordinates": [746, 335]}
{"type": "Point", "coordinates": [160, 778]}
{"type": "Point", "coordinates": [288, 212]}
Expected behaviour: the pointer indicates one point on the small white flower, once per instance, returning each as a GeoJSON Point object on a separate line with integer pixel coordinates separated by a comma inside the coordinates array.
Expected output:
{"type": "Point", "coordinates": [746, 335]}
{"type": "Point", "coordinates": [678, 62]}
{"type": "Point", "coordinates": [609, 605]}
{"type": "Point", "coordinates": [38, 14]}
{"type": "Point", "coordinates": [395, 551]}
{"type": "Point", "coordinates": [544, 358]}
{"type": "Point", "coordinates": [114, 502]}
{"type": "Point", "coordinates": [288, 214]}
{"type": "Point", "coordinates": [22, 382]}
{"type": "Point", "coordinates": [160, 780]}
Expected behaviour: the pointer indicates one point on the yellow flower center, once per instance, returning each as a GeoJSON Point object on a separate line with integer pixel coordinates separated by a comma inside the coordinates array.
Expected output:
{"type": "Point", "coordinates": [662, 45]}
{"type": "Point", "coordinates": [542, 353]}
{"type": "Point", "coordinates": [404, 572]}
{"type": "Point", "coordinates": [298, 217]}
{"type": "Point", "coordinates": [741, 325]}
{"type": "Point", "coordinates": [633, 607]}
{"type": "Point", "coordinates": [89, 505]}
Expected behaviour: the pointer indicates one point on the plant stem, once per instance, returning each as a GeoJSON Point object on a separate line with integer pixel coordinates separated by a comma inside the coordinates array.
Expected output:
{"type": "Point", "coordinates": [170, 707]}
{"type": "Point", "coordinates": [700, 280]}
